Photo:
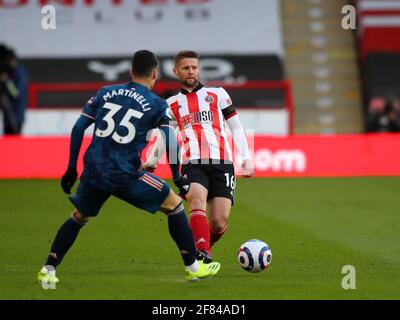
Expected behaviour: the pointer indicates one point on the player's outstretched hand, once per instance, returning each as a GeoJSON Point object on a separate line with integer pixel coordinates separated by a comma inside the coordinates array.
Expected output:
{"type": "Point", "coordinates": [183, 185]}
{"type": "Point", "coordinates": [149, 168]}
{"type": "Point", "coordinates": [68, 179]}
{"type": "Point", "coordinates": [247, 168]}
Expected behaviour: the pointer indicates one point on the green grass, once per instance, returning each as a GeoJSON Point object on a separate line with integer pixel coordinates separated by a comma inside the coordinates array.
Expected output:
{"type": "Point", "coordinates": [313, 226]}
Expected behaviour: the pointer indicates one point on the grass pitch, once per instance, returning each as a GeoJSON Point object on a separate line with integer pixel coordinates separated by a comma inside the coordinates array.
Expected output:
{"type": "Point", "coordinates": [313, 226]}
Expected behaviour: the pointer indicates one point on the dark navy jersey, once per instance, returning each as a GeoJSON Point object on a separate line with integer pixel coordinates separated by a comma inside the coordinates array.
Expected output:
{"type": "Point", "coordinates": [124, 115]}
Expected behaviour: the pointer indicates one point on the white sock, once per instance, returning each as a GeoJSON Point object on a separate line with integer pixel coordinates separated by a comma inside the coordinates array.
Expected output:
{"type": "Point", "coordinates": [194, 267]}
{"type": "Point", "coordinates": [50, 270]}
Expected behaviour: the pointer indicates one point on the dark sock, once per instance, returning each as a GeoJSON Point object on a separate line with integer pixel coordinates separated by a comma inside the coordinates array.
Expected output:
{"type": "Point", "coordinates": [65, 237]}
{"type": "Point", "coordinates": [182, 234]}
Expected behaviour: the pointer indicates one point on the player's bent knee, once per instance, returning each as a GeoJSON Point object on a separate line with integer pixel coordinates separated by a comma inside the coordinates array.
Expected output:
{"type": "Point", "coordinates": [196, 196]}
{"type": "Point", "coordinates": [79, 217]}
{"type": "Point", "coordinates": [171, 203]}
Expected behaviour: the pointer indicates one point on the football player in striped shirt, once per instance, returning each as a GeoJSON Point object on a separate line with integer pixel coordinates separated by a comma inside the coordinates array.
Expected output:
{"type": "Point", "coordinates": [122, 116]}
{"type": "Point", "coordinates": [201, 113]}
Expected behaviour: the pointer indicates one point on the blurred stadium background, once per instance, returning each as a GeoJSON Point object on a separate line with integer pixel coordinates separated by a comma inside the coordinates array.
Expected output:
{"type": "Point", "coordinates": [290, 67]}
{"type": "Point", "coordinates": [321, 101]}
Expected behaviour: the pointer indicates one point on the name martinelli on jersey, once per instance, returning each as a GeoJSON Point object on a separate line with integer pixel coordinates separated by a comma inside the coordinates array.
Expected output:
{"type": "Point", "coordinates": [128, 93]}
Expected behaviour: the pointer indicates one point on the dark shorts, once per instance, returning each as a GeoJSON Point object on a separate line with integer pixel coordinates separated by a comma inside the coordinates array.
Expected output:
{"type": "Point", "coordinates": [218, 179]}
{"type": "Point", "coordinates": [147, 193]}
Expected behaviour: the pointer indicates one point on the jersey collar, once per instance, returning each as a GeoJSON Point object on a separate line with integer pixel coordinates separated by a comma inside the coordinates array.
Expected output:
{"type": "Point", "coordinates": [197, 88]}
{"type": "Point", "coordinates": [136, 84]}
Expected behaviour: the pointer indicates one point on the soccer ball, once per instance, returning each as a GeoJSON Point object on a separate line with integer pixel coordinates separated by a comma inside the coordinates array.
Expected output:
{"type": "Point", "coordinates": [254, 256]}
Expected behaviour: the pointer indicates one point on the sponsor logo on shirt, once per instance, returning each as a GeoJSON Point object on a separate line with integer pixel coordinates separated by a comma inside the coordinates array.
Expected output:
{"type": "Point", "coordinates": [197, 117]}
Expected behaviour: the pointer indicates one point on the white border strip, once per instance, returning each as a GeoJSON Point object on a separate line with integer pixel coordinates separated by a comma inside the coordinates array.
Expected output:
{"type": "Point", "coordinates": [378, 5]}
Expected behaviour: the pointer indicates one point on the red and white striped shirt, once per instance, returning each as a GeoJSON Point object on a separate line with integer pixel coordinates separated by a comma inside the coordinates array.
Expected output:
{"type": "Point", "coordinates": [201, 123]}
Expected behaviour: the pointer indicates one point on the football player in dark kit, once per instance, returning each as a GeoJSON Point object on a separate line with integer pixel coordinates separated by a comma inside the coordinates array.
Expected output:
{"type": "Point", "coordinates": [122, 116]}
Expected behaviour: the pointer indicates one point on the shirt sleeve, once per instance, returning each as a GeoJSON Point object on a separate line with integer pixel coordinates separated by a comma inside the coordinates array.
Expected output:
{"type": "Point", "coordinates": [165, 119]}
{"type": "Point", "coordinates": [239, 137]}
{"type": "Point", "coordinates": [91, 107]}
{"type": "Point", "coordinates": [225, 99]}
{"type": "Point", "coordinates": [164, 115]}
{"type": "Point", "coordinates": [76, 139]}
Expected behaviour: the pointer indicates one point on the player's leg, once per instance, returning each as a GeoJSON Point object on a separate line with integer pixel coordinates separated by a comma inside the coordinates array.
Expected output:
{"type": "Point", "coordinates": [63, 241]}
{"type": "Point", "coordinates": [220, 199]}
{"type": "Point", "coordinates": [65, 237]}
{"type": "Point", "coordinates": [152, 194]}
{"type": "Point", "coordinates": [179, 229]}
{"type": "Point", "coordinates": [218, 214]}
{"type": "Point", "coordinates": [197, 201]}
{"type": "Point", "coordinates": [87, 201]}
{"type": "Point", "coordinates": [182, 234]}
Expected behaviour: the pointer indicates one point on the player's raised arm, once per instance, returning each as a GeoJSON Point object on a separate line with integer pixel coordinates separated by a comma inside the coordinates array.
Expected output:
{"type": "Point", "coordinates": [77, 133]}
{"type": "Point", "coordinates": [156, 153]}
{"type": "Point", "coordinates": [159, 147]}
{"type": "Point", "coordinates": [239, 136]}
{"type": "Point", "coordinates": [169, 137]}
{"type": "Point", "coordinates": [166, 141]}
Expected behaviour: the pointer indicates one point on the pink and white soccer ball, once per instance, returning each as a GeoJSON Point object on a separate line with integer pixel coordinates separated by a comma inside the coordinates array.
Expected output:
{"type": "Point", "coordinates": [254, 256]}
